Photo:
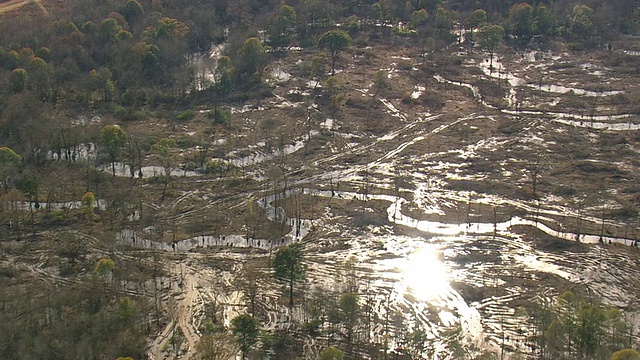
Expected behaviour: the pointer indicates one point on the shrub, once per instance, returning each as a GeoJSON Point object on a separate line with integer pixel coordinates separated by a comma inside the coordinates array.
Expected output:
{"type": "Point", "coordinates": [219, 116]}
{"type": "Point", "coordinates": [186, 115]}
{"type": "Point", "coordinates": [433, 100]}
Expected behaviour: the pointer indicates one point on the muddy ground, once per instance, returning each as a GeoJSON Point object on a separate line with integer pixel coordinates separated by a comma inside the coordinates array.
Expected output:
{"type": "Point", "coordinates": [494, 172]}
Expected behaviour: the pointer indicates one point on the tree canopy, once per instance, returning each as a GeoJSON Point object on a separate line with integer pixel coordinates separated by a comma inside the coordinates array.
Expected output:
{"type": "Point", "coordinates": [289, 267]}
{"type": "Point", "coordinates": [246, 330]}
{"type": "Point", "coordinates": [112, 138]}
{"type": "Point", "coordinates": [335, 41]}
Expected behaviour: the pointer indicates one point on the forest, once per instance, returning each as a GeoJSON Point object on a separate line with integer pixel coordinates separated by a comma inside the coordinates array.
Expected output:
{"type": "Point", "coordinates": [251, 179]}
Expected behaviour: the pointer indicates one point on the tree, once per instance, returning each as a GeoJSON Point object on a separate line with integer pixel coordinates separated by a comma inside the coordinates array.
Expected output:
{"type": "Point", "coordinates": [18, 80]}
{"type": "Point", "coordinates": [590, 329]}
{"type": "Point", "coordinates": [109, 30]}
{"type": "Point", "coordinates": [625, 354]}
{"type": "Point", "coordinates": [419, 17]}
{"type": "Point", "coordinates": [246, 330]}
{"type": "Point", "coordinates": [477, 19]}
{"type": "Point", "coordinates": [224, 74]}
{"type": "Point", "coordinates": [87, 202]}
{"type": "Point", "coordinates": [334, 41]}
{"type": "Point", "coordinates": [331, 353]}
{"type": "Point", "coordinates": [133, 11]}
{"type": "Point", "coordinates": [445, 20]}
{"type": "Point", "coordinates": [380, 82]}
{"type": "Point", "coordinates": [581, 25]}
{"type": "Point", "coordinates": [545, 22]}
{"type": "Point", "coordinates": [318, 67]}
{"type": "Point", "coordinates": [8, 160]}
{"type": "Point", "coordinates": [289, 267]}
{"type": "Point", "coordinates": [416, 343]}
{"type": "Point", "coordinates": [112, 139]}
{"type": "Point", "coordinates": [164, 147]}
{"type": "Point", "coordinates": [349, 309]}
{"type": "Point", "coordinates": [489, 37]}
{"type": "Point", "coordinates": [282, 25]}
{"type": "Point", "coordinates": [216, 347]}
{"type": "Point", "coordinates": [104, 267]}
{"type": "Point", "coordinates": [168, 28]}
{"type": "Point", "coordinates": [251, 61]}
{"type": "Point", "coordinates": [521, 18]}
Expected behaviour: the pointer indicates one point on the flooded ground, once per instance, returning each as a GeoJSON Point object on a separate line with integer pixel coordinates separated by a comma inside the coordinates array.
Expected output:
{"type": "Point", "coordinates": [459, 216]}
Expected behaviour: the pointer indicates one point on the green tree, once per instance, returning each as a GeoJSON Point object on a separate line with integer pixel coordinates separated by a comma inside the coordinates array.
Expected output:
{"type": "Point", "coordinates": [419, 17]}
{"type": "Point", "coordinates": [8, 161]}
{"type": "Point", "coordinates": [281, 28]}
{"type": "Point", "coordinates": [335, 41]}
{"type": "Point", "coordinates": [581, 25]}
{"type": "Point", "coordinates": [19, 80]}
{"type": "Point", "coordinates": [40, 77]}
{"type": "Point", "coordinates": [289, 267]}
{"type": "Point", "coordinates": [331, 353]}
{"type": "Point", "coordinates": [349, 310]}
{"type": "Point", "coordinates": [477, 19]}
{"type": "Point", "coordinates": [429, 5]}
{"type": "Point", "coordinates": [545, 23]}
{"type": "Point", "coordinates": [224, 77]}
{"type": "Point", "coordinates": [105, 267]}
{"type": "Point", "coordinates": [377, 12]}
{"type": "Point", "coordinates": [380, 82]}
{"type": "Point", "coordinates": [416, 343]}
{"type": "Point", "coordinates": [489, 37]}
{"type": "Point", "coordinates": [169, 28]}
{"type": "Point", "coordinates": [318, 66]}
{"type": "Point", "coordinates": [251, 61]}
{"type": "Point", "coordinates": [164, 149]}
{"type": "Point", "coordinates": [246, 330]}
{"type": "Point", "coordinates": [521, 19]}
{"type": "Point", "coordinates": [133, 11]}
{"type": "Point", "coordinates": [625, 354]}
{"type": "Point", "coordinates": [87, 202]}
{"type": "Point", "coordinates": [590, 329]}
{"type": "Point", "coordinates": [445, 20]}
{"type": "Point", "coordinates": [112, 139]}
{"type": "Point", "coordinates": [109, 30]}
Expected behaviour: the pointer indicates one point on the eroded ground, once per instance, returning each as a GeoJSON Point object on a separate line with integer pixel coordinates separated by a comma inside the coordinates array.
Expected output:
{"type": "Point", "coordinates": [460, 191]}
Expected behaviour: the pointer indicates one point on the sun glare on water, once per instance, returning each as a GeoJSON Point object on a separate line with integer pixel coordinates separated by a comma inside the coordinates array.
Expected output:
{"type": "Point", "coordinates": [424, 274]}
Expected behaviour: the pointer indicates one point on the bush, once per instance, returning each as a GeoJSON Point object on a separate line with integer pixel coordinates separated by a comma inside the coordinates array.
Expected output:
{"type": "Point", "coordinates": [56, 215]}
{"type": "Point", "coordinates": [625, 354]}
{"type": "Point", "coordinates": [119, 112]}
{"type": "Point", "coordinates": [219, 116]}
{"type": "Point", "coordinates": [122, 113]}
{"type": "Point", "coordinates": [433, 100]}
{"type": "Point", "coordinates": [186, 141]}
{"type": "Point", "coordinates": [217, 166]}
{"type": "Point", "coordinates": [186, 115]}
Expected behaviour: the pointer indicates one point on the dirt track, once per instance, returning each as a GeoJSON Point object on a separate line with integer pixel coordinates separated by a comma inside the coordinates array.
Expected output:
{"type": "Point", "coordinates": [15, 4]}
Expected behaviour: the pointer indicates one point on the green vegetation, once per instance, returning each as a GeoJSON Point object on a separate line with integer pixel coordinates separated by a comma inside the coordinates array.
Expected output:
{"type": "Point", "coordinates": [289, 266]}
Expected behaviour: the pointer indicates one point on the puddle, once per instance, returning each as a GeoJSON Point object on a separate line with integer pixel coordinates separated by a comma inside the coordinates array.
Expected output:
{"type": "Point", "coordinates": [205, 66]}
{"type": "Point", "coordinates": [279, 75]}
{"type": "Point", "coordinates": [83, 120]}
{"type": "Point", "coordinates": [124, 170]}
{"type": "Point", "coordinates": [80, 152]}
{"type": "Point", "coordinates": [418, 92]}
{"type": "Point", "coordinates": [259, 157]}
{"type": "Point", "coordinates": [27, 206]}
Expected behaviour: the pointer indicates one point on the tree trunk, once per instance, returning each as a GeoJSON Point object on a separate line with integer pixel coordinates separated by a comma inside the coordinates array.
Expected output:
{"type": "Point", "coordinates": [290, 293]}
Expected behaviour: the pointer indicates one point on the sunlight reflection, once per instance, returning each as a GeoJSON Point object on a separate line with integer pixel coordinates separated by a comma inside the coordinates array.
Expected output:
{"type": "Point", "coordinates": [425, 276]}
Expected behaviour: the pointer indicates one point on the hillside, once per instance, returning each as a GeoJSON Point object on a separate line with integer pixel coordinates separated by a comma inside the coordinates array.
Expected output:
{"type": "Point", "coordinates": [455, 194]}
